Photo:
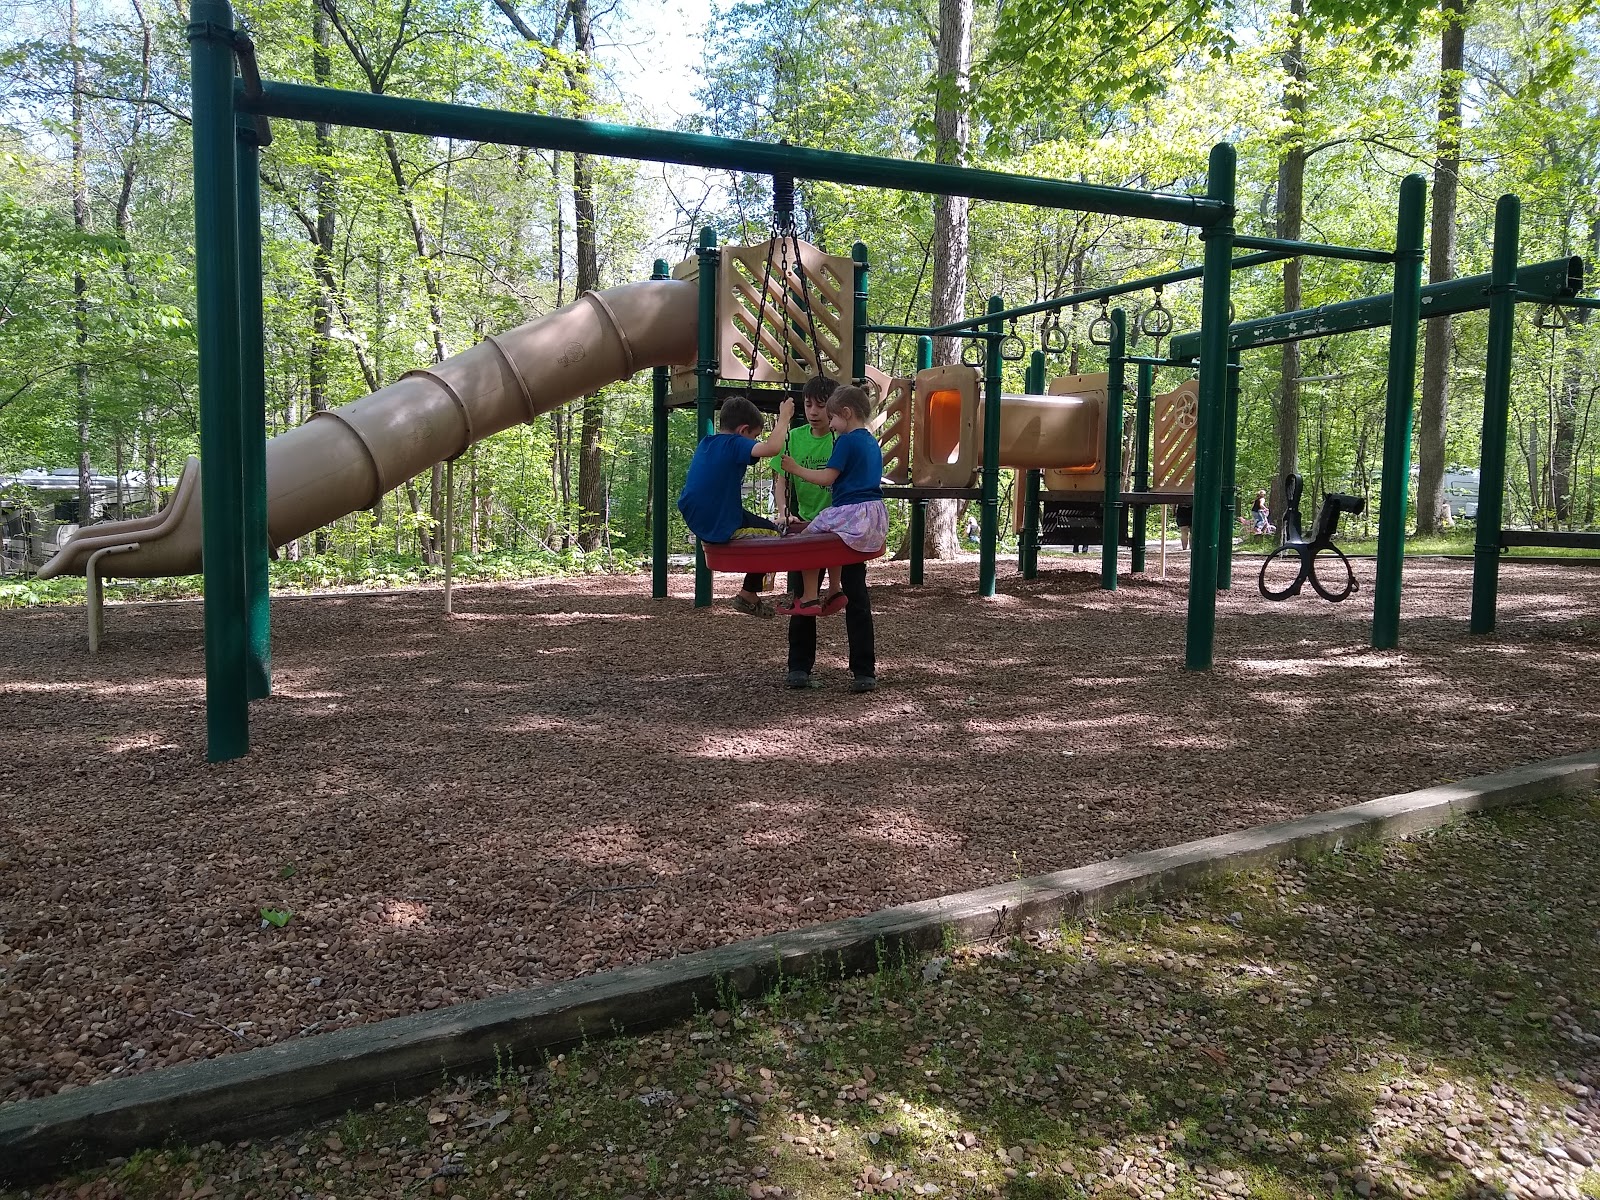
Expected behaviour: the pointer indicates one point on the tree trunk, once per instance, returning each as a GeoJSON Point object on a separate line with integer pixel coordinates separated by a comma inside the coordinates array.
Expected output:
{"type": "Point", "coordinates": [1290, 212]}
{"type": "Point", "coordinates": [1564, 420]}
{"type": "Point", "coordinates": [952, 130]}
{"type": "Point", "coordinates": [322, 240]}
{"type": "Point", "coordinates": [591, 466]}
{"type": "Point", "coordinates": [1438, 334]}
{"type": "Point", "coordinates": [80, 285]}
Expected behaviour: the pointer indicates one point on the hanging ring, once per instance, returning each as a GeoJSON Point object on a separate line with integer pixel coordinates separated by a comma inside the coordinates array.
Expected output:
{"type": "Point", "coordinates": [1012, 347]}
{"type": "Point", "coordinates": [1157, 320]}
{"type": "Point", "coordinates": [1100, 328]}
{"type": "Point", "coordinates": [972, 354]}
{"type": "Point", "coordinates": [1550, 316]}
{"type": "Point", "coordinates": [1053, 338]}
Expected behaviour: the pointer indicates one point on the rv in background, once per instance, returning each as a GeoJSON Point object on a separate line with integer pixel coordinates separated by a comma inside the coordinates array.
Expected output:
{"type": "Point", "coordinates": [39, 511]}
{"type": "Point", "coordinates": [1461, 493]}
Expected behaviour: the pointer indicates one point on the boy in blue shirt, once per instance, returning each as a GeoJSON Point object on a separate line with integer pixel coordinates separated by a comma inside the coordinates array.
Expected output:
{"type": "Point", "coordinates": [712, 500]}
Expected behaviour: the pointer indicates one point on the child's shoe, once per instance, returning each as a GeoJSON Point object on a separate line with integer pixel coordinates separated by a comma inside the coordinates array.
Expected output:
{"type": "Point", "coordinates": [801, 608]}
{"type": "Point", "coordinates": [753, 608]}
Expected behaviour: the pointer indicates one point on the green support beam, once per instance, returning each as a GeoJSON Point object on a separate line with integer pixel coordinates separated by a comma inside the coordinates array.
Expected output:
{"type": "Point", "coordinates": [216, 247]}
{"type": "Point", "coordinates": [1227, 521]}
{"type": "Point", "coordinates": [1028, 543]}
{"type": "Point", "coordinates": [967, 326]}
{"type": "Point", "coordinates": [858, 344]}
{"type": "Point", "coordinates": [1314, 249]}
{"type": "Point", "coordinates": [298, 102]}
{"type": "Point", "coordinates": [253, 413]}
{"type": "Point", "coordinates": [1496, 413]}
{"type": "Point", "coordinates": [660, 425]}
{"type": "Point", "coordinates": [989, 514]}
{"type": "Point", "coordinates": [1201, 627]}
{"type": "Point", "coordinates": [1558, 280]}
{"type": "Point", "coordinates": [1111, 502]}
{"type": "Point", "coordinates": [1409, 235]}
{"type": "Point", "coordinates": [1143, 395]}
{"type": "Point", "coordinates": [919, 508]}
{"type": "Point", "coordinates": [706, 372]}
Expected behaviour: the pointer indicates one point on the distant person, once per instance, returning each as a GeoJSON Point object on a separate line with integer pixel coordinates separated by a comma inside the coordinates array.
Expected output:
{"type": "Point", "coordinates": [858, 516]}
{"type": "Point", "coordinates": [973, 528]}
{"type": "Point", "coordinates": [1446, 520]}
{"type": "Point", "coordinates": [1260, 517]}
{"type": "Point", "coordinates": [712, 500]}
{"type": "Point", "coordinates": [1185, 520]}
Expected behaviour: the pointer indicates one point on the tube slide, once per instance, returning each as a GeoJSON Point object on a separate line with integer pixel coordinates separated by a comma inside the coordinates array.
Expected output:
{"type": "Point", "coordinates": [345, 459]}
{"type": "Point", "coordinates": [1061, 431]}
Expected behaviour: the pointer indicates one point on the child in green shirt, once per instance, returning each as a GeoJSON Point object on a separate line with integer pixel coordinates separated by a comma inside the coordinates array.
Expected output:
{"type": "Point", "coordinates": [810, 445]}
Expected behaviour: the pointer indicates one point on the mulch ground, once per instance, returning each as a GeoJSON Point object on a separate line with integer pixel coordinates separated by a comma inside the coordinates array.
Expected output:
{"type": "Point", "coordinates": [568, 776]}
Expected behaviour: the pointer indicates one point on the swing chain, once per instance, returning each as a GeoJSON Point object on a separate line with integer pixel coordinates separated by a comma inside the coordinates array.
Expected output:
{"type": "Point", "coordinates": [1012, 347]}
{"type": "Point", "coordinates": [1100, 327]}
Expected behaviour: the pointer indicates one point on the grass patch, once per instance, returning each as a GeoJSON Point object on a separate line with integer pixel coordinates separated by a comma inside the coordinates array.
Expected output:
{"type": "Point", "coordinates": [326, 572]}
{"type": "Point", "coordinates": [1414, 1019]}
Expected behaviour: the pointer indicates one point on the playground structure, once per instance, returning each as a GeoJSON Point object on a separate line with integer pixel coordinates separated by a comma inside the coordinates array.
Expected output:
{"type": "Point", "coordinates": [359, 451]}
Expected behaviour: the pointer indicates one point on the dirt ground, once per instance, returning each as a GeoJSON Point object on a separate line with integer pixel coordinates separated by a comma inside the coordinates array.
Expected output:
{"type": "Point", "coordinates": [568, 776]}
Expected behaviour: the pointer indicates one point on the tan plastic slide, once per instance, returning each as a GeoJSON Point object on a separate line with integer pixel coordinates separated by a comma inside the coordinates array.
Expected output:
{"type": "Point", "coordinates": [344, 460]}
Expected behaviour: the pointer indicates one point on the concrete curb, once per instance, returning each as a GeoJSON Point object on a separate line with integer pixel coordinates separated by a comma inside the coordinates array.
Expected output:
{"type": "Point", "coordinates": [291, 1085]}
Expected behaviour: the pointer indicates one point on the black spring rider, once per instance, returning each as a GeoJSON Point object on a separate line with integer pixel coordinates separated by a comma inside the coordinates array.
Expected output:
{"type": "Point", "coordinates": [1320, 543]}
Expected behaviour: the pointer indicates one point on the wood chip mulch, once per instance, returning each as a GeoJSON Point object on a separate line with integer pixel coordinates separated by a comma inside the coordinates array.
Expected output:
{"type": "Point", "coordinates": [568, 776]}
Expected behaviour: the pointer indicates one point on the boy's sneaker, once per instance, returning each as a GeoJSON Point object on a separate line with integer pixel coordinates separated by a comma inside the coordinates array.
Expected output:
{"type": "Point", "coordinates": [864, 683]}
{"type": "Point", "coordinates": [800, 680]}
{"type": "Point", "coordinates": [754, 608]}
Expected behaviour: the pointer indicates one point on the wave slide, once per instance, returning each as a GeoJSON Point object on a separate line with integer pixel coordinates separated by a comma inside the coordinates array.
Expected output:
{"type": "Point", "coordinates": [345, 459]}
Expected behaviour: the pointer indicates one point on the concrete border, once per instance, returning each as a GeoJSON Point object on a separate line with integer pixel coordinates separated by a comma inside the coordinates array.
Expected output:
{"type": "Point", "coordinates": [291, 1085]}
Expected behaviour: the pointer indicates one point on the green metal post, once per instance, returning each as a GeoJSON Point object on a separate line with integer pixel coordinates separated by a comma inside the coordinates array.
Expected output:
{"type": "Point", "coordinates": [216, 246]}
{"type": "Point", "coordinates": [989, 514]}
{"type": "Point", "coordinates": [660, 385]}
{"type": "Point", "coordinates": [1111, 504]}
{"type": "Point", "coordinates": [919, 508]}
{"type": "Point", "coordinates": [1227, 519]}
{"type": "Point", "coordinates": [1201, 629]}
{"type": "Point", "coordinates": [1496, 410]}
{"type": "Point", "coordinates": [431, 118]}
{"type": "Point", "coordinates": [1145, 385]}
{"type": "Point", "coordinates": [858, 344]}
{"type": "Point", "coordinates": [1410, 230]}
{"type": "Point", "coordinates": [706, 370]}
{"type": "Point", "coordinates": [1028, 550]}
{"type": "Point", "coordinates": [253, 414]}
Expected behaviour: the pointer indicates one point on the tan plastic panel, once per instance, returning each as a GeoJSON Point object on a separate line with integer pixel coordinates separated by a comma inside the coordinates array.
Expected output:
{"type": "Point", "coordinates": [1174, 420]}
{"type": "Point", "coordinates": [346, 459]}
{"type": "Point", "coordinates": [763, 315]}
{"type": "Point", "coordinates": [961, 466]}
{"type": "Point", "coordinates": [894, 435]}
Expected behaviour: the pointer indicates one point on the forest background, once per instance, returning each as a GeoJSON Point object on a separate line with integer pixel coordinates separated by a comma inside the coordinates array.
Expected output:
{"type": "Point", "coordinates": [386, 252]}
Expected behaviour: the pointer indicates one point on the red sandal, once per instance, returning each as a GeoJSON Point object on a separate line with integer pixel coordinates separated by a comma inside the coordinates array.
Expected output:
{"type": "Point", "coordinates": [808, 608]}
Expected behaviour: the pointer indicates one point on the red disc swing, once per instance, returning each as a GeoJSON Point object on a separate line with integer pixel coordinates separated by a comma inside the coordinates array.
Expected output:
{"type": "Point", "coordinates": [801, 552]}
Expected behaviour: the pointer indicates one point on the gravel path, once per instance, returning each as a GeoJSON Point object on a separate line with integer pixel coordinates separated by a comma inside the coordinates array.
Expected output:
{"type": "Point", "coordinates": [569, 776]}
